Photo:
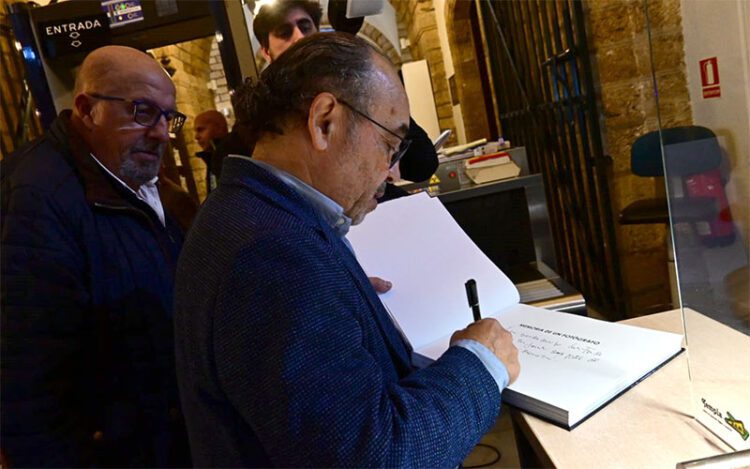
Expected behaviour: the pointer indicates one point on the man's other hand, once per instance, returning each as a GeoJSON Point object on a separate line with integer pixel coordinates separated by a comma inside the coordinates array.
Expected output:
{"type": "Point", "coordinates": [380, 285]}
{"type": "Point", "coordinates": [495, 337]}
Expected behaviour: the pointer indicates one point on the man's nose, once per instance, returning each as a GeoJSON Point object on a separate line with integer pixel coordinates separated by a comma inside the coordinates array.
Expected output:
{"type": "Point", "coordinates": [160, 130]}
{"type": "Point", "coordinates": [297, 34]}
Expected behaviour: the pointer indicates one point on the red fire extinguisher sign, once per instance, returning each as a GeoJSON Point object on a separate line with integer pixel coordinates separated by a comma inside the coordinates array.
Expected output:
{"type": "Point", "coordinates": [710, 78]}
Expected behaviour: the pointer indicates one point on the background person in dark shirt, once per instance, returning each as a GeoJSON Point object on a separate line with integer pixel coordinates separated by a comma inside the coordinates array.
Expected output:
{"type": "Point", "coordinates": [210, 129]}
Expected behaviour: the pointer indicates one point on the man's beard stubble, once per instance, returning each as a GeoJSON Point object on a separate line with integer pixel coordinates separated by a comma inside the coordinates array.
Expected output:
{"type": "Point", "coordinates": [142, 172]}
{"type": "Point", "coordinates": [359, 218]}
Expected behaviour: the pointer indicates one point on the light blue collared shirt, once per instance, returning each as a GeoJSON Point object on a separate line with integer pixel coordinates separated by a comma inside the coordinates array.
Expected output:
{"type": "Point", "coordinates": [493, 364]}
{"type": "Point", "coordinates": [334, 215]}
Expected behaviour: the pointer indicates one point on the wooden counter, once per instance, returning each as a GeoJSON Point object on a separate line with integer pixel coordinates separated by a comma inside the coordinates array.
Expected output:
{"type": "Point", "coordinates": [651, 425]}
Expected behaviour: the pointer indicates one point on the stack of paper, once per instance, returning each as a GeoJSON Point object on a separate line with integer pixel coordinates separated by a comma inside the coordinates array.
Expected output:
{"type": "Point", "coordinates": [488, 168]}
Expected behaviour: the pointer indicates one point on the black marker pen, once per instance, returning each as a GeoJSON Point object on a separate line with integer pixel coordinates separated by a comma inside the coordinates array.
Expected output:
{"type": "Point", "coordinates": [473, 297]}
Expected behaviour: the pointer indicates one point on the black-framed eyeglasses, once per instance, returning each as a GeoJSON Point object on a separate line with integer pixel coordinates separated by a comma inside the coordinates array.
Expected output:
{"type": "Point", "coordinates": [403, 146]}
{"type": "Point", "coordinates": [147, 114]}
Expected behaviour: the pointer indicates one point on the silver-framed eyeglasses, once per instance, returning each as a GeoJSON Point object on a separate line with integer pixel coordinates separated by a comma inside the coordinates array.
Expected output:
{"type": "Point", "coordinates": [403, 146]}
{"type": "Point", "coordinates": [147, 114]}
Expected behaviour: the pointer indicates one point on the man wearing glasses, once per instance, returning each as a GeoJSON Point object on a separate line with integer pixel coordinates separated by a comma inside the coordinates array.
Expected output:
{"type": "Point", "coordinates": [88, 260]}
{"type": "Point", "coordinates": [285, 354]}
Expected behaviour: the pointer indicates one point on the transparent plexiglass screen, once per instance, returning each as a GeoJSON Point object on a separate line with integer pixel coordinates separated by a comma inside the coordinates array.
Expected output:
{"type": "Point", "coordinates": [706, 161]}
{"type": "Point", "coordinates": [710, 241]}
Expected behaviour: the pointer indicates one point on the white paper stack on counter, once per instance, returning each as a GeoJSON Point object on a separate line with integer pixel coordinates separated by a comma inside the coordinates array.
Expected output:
{"type": "Point", "coordinates": [570, 365]}
{"type": "Point", "coordinates": [492, 167]}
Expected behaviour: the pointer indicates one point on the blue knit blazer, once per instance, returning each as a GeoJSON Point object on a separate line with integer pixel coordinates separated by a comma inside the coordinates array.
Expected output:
{"type": "Point", "coordinates": [286, 356]}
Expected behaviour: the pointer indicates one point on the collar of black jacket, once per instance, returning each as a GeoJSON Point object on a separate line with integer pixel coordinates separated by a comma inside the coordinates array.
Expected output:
{"type": "Point", "coordinates": [100, 187]}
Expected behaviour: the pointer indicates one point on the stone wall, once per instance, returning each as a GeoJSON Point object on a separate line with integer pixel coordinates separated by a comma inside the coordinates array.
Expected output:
{"type": "Point", "coordinates": [9, 80]}
{"type": "Point", "coordinates": [218, 84]}
{"type": "Point", "coordinates": [471, 96]}
{"type": "Point", "coordinates": [11, 88]}
{"type": "Point", "coordinates": [619, 43]}
{"type": "Point", "coordinates": [191, 78]}
{"type": "Point", "coordinates": [424, 43]}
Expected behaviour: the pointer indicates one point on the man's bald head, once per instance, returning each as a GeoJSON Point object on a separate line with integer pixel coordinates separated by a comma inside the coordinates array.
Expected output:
{"type": "Point", "coordinates": [110, 68]}
{"type": "Point", "coordinates": [209, 126]}
{"type": "Point", "coordinates": [212, 117]}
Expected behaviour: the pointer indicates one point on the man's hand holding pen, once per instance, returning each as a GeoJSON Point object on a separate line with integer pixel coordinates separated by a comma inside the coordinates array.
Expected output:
{"type": "Point", "coordinates": [489, 333]}
{"type": "Point", "coordinates": [497, 339]}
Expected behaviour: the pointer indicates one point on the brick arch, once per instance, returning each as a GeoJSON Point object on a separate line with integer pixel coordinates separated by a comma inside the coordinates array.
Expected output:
{"type": "Point", "coordinates": [382, 43]}
{"type": "Point", "coordinates": [418, 23]}
{"type": "Point", "coordinates": [471, 96]}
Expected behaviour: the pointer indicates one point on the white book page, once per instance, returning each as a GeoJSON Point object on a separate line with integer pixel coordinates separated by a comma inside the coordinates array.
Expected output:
{"type": "Point", "coordinates": [578, 363]}
{"type": "Point", "coordinates": [416, 244]}
{"type": "Point", "coordinates": [573, 363]}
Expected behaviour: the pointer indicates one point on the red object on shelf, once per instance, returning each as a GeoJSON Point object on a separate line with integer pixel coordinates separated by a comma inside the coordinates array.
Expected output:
{"type": "Point", "coordinates": [491, 156]}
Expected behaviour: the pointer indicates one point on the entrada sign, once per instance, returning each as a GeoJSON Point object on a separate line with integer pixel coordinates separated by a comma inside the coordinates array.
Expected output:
{"type": "Point", "coordinates": [70, 27]}
{"type": "Point", "coordinates": [73, 35]}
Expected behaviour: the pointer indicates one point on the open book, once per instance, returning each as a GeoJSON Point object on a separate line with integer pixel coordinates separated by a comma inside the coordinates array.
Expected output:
{"type": "Point", "coordinates": [570, 365]}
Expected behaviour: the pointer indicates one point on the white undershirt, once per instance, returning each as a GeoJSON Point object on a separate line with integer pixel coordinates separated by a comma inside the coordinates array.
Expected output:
{"type": "Point", "coordinates": [148, 192]}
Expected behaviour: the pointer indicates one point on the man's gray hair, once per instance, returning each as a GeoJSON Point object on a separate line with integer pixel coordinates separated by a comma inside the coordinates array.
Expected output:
{"type": "Point", "coordinates": [339, 63]}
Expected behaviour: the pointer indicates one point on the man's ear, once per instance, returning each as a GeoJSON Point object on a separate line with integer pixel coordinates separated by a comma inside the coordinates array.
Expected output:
{"type": "Point", "coordinates": [83, 107]}
{"type": "Point", "coordinates": [323, 120]}
{"type": "Point", "coordinates": [266, 54]}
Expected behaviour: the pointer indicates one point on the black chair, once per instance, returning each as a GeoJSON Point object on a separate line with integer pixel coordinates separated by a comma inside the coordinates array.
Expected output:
{"type": "Point", "coordinates": [700, 153]}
